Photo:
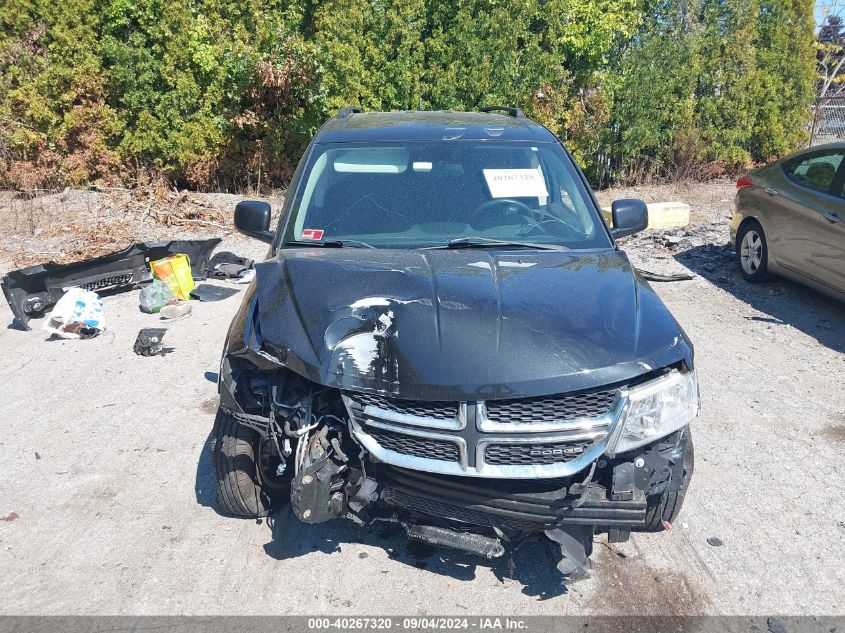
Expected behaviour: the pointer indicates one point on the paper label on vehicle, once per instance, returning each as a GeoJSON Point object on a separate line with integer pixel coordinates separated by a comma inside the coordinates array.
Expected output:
{"type": "Point", "coordinates": [516, 183]}
{"type": "Point", "coordinates": [312, 234]}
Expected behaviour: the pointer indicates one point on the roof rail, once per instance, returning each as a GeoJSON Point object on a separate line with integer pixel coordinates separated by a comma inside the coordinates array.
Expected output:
{"type": "Point", "coordinates": [345, 111]}
{"type": "Point", "coordinates": [517, 113]}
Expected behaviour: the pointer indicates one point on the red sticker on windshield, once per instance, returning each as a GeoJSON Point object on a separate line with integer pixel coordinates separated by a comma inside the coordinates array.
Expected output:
{"type": "Point", "coordinates": [312, 234]}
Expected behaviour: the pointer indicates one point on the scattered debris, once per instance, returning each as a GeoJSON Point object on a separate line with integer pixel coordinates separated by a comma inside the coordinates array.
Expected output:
{"type": "Point", "coordinates": [177, 310]}
{"type": "Point", "coordinates": [149, 341]}
{"type": "Point", "coordinates": [246, 277]}
{"type": "Point", "coordinates": [175, 271]}
{"type": "Point", "coordinates": [714, 236]}
{"type": "Point", "coordinates": [207, 292]}
{"type": "Point", "coordinates": [155, 296]}
{"type": "Point", "coordinates": [37, 456]}
{"type": "Point", "coordinates": [231, 267]}
{"type": "Point", "coordinates": [226, 264]}
{"type": "Point", "coordinates": [78, 314]}
{"type": "Point", "coordinates": [650, 276]}
{"type": "Point", "coordinates": [715, 541]}
{"type": "Point", "coordinates": [230, 271]}
{"type": "Point", "coordinates": [32, 291]}
{"type": "Point", "coordinates": [12, 516]}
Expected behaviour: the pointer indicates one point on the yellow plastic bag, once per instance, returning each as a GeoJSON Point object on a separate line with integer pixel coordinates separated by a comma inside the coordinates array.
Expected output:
{"type": "Point", "coordinates": [175, 271]}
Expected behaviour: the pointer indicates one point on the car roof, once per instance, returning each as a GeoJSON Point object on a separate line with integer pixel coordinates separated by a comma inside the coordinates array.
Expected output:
{"type": "Point", "coordinates": [430, 126]}
{"type": "Point", "coordinates": [811, 149]}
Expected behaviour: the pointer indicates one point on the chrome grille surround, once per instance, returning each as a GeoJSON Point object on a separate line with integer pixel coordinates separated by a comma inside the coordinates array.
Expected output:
{"type": "Point", "coordinates": [589, 434]}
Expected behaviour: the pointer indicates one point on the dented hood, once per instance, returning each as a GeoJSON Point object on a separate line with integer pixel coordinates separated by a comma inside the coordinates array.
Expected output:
{"type": "Point", "coordinates": [460, 324]}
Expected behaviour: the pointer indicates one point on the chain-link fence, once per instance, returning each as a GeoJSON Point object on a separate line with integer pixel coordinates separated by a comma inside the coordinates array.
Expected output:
{"type": "Point", "coordinates": [828, 120]}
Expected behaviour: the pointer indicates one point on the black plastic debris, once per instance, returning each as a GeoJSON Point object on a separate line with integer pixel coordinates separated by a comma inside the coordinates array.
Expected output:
{"type": "Point", "coordinates": [207, 292]}
{"type": "Point", "coordinates": [32, 291]}
{"type": "Point", "coordinates": [149, 342]}
{"type": "Point", "coordinates": [650, 276]}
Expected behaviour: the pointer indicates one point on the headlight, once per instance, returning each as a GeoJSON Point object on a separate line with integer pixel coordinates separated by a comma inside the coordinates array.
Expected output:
{"type": "Point", "coordinates": [656, 409]}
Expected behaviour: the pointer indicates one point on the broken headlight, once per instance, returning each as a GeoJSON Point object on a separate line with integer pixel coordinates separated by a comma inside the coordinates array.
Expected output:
{"type": "Point", "coordinates": [656, 409]}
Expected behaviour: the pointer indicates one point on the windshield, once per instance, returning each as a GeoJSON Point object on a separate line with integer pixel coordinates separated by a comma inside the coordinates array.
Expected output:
{"type": "Point", "coordinates": [416, 194]}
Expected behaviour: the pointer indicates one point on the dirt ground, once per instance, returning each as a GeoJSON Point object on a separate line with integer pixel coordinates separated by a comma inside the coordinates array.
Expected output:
{"type": "Point", "coordinates": [107, 497]}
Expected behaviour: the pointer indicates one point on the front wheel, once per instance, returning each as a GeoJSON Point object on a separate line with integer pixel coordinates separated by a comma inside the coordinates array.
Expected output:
{"type": "Point", "coordinates": [246, 467]}
{"type": "Point", "coordinates": [752, 252]}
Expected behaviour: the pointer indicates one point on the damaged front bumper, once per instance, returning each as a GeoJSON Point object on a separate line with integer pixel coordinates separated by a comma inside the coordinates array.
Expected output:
{"type": "Point", "coordinates": [490, 517]}
{"type": "Point", "coordinates": [32, 291]}
{"type": "Point", "coordinates": [476, 476]}
{"type": "Point", "coordinates": [611, 495]}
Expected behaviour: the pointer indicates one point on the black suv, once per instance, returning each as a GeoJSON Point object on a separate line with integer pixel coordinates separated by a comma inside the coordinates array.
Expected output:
{"type": "Point", "coordinates": [444, 335]}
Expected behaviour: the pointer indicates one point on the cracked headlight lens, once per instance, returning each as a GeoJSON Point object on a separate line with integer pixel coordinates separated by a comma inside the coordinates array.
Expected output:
{"type": "Point", "coordinates": [656, 409]}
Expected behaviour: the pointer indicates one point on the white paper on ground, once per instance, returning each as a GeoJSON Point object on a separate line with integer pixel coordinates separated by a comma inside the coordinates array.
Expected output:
{"type": "Point", "coordinates": [516, 183]}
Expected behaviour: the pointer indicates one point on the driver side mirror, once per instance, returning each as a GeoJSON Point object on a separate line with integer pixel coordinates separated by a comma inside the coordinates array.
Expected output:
{"type": "Point", "coordinates": [252, 218]}
{"type": "Point", "coordinates": [629, 216]}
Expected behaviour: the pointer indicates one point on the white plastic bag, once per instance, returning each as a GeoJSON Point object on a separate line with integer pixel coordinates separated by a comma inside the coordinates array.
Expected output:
{"type": "Point", "coordinates": [78, 314]}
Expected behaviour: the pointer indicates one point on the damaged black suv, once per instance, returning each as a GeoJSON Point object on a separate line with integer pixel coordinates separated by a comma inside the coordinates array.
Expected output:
{"type": "Point", "coordinates": [444, 335]}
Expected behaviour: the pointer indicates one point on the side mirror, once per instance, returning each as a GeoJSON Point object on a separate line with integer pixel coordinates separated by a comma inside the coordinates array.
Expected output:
{"type": "Point", "coordinates": [252, 217]}
{"type": "Point", "coordinates": [629, 216]}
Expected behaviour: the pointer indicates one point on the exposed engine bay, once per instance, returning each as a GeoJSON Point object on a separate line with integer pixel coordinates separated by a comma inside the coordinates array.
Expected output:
{"type": "Point", "coordinates": [315, 439]}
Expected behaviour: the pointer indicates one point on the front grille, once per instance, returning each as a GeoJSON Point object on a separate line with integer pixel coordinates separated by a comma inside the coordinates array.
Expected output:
{"type": "Point", "coordinates": [108, 282]}
{"type": "Point", "coordinates": [550, 408]}
{"type": "Point", "coordinates": [545, 436]}
{"type": "Point", "coordinates": [531, 454]}
{"type": "Point", "coordinates": [415, 446]}
{"type": "Point", "coordinates": [433, 508]}
{"type": "Point", "coordinates": [418, 408]}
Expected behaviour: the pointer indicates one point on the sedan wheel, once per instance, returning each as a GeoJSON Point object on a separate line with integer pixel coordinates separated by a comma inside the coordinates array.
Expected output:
{"type": "Point", "coordinates": [752, 252]}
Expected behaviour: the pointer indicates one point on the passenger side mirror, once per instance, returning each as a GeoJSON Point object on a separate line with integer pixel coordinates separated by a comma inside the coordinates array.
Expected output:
{"type": "Point", "coordinates": [629, 216]}
{"type": "Point", "coordinates": [252, 217]}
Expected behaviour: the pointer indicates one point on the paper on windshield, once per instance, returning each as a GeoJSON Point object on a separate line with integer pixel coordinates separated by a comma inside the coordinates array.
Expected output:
{"type": "Point", "coordinates": [516, 183]}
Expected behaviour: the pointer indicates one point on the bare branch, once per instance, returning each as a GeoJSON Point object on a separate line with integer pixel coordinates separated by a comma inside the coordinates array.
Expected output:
{"type": "Point", "coordinates": [829, 79]}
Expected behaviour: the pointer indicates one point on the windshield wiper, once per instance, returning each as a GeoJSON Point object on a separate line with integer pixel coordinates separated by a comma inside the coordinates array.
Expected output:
{"type": "Point", "coordinates": [331, 243]}
{"type": "Point", "coordinates": [487, 242]}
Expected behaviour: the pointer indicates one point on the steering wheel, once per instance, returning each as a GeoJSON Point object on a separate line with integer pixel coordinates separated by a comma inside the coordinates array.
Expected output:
{"type": "Point", "coordinates": [549, 218]}
{"type": "Point", "coordinates": [508, 204]}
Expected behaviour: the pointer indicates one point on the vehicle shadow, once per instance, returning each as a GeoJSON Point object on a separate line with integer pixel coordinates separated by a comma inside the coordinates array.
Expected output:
{"type": "Point", "coordinates": [533, 566]}
{"type": "Point", "coordinates": [533, 563]}
{"type": "Point", "coordinates": [784, 301]}
{"type": "Point", "coordinates": [205, 484]}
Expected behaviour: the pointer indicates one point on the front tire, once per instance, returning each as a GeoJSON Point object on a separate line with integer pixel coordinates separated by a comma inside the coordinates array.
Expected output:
{"type": "Point", "coordinates": [239, 457]}
{"type": "Point", "coordinates": [752, 252]}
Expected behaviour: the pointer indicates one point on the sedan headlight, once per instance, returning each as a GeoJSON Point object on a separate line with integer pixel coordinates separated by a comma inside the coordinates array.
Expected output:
{"type": "Point", "coordinates": [656, 409]}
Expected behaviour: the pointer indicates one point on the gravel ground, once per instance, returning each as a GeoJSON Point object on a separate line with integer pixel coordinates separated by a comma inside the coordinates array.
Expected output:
{"type": "Point", "coordinates": [107, 497]}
